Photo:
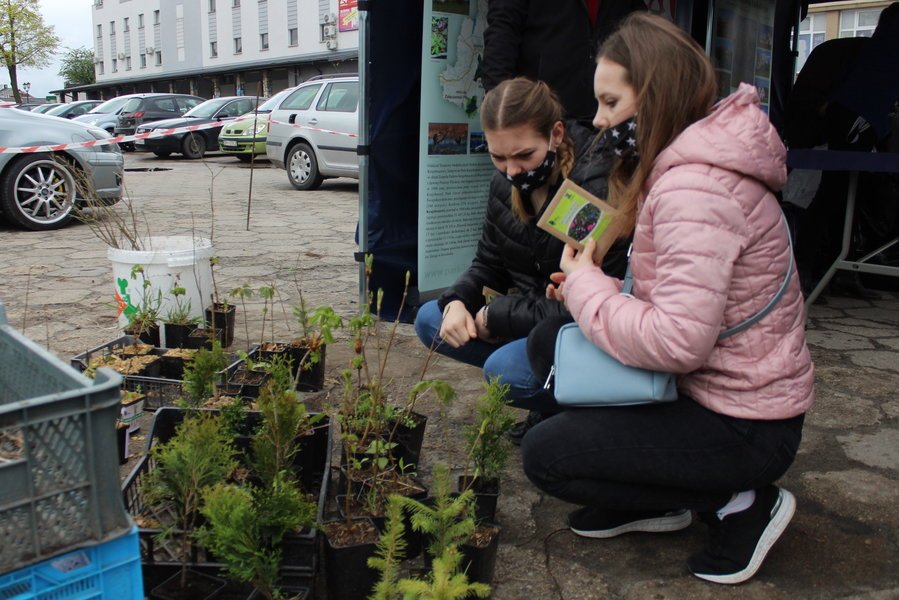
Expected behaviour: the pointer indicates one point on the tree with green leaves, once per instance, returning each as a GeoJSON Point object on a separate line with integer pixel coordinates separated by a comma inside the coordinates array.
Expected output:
{"type": "Point", "coordinates": [25, 40]}
{"type": "Point", "coordinates": [77, 66]}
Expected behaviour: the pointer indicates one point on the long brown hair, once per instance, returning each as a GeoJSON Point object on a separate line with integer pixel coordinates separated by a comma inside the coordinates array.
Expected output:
{"type": "Point", "coordinates": [675, 86]}
{"type": "Point", "coordinates": [522, 101]}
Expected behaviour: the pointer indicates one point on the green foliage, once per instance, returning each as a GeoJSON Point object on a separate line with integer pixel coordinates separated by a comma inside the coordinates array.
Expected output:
{"type": "Point", "coordinates": [488, 446]}
{"type": "Point", "coordinates": [252, 364]}
{"type": "Point", "coordinates": [77, 66]}
{"type": "Point", "coordinates": [449, 520]}
{"type": "Point", "coordinates": [201, 372]}
{"type": "Point", "coordinates": [275, 443]}
{"type": "Point", "coordinates": [444, 582]}
{"type": "Point", "coordinates": [234, 415]}
{"type": "Point", "coordinates": [198, 456]}
{"type": "Point", "coordinates": [246, 524]}
{"type": "Point", "coordinates": [179, 314]}
{"type": "Point", "coordinates": [146, 313]}
{"type": "Point", "coordinates": [390, 551]}
{"type": "Point", "coordinates": [25, 39]}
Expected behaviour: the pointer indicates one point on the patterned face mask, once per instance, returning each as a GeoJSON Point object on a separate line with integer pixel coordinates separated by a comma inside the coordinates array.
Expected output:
{"type": "Point", "coordinates": [623, 138]}
{"type": "Point", "coordinates": [528, 181]}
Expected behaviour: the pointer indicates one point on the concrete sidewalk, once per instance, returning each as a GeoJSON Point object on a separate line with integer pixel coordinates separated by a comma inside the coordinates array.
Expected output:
{"type": "Point", "coordinates": [843, 542]}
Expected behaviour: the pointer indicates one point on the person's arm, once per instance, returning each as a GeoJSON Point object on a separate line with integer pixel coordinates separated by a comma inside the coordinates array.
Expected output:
{"type": "Point", "coordinates": [506, 20]}
{"type": "Point", "coordinates": [675, 329]}
{"type": "Point", "coordinates": [513, 317]}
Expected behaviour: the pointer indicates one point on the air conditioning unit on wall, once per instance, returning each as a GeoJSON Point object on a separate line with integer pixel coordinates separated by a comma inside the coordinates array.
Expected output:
{"type": "Point", "coordinates": [149, 50]}
{"type": "Point", "coordinates": [121, 56]}
{"type": "Point", "coordinates": [332, 44]}
{"type": "Point", "coordinates": [329, 31]}
{"type": "Point", "coordinates": [326, 19]}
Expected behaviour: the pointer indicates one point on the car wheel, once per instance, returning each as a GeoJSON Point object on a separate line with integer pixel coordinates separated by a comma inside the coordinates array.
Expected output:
{"type": "Point", "coordinates": [244, 158]}
{"type": "Point", "coordinates": [193, 145]}
{"type": "Point", "coordinates": [38, 192]}
{"type": "Point", "coordinates": [302, 168]}
{"type": "Point", "coordinates": [162, 153]}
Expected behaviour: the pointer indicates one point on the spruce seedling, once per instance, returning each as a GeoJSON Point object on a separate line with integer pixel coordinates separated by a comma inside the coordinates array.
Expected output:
{"type": "Point", "coordinates": [488, 446]}
{"type": "Point", "coordinates": [201, 373]}
{"type": "Point", "coordinates": [389, 553]}
{"type": "Point", "coordinates": [444, 582]}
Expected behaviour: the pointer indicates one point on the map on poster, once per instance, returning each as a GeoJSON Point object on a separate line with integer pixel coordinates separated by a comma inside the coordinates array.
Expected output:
{"type": "Point", "coordinates": [454, 166]}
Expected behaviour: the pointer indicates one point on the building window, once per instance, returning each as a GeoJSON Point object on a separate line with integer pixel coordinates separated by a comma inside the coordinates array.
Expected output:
{"type": "Point", "coordinates": [140, 21]}
{"type": "Point", "coordinates": [811, 33]}
{"type": "Point", "coordinates": [125, 24]}
{"type": "Point", "coordinates": [127, 63]}
{"type": "Point", "coordinates": [100, 68]}
{"type": "Point", "coordinates": [292, 37]}
{"type": "Point", "coordinates": [212, 6]}
{"type": "Point", "coordinates": [235, 3]}
{"type": "Point", "coordinates": [238, 45]}
{"type": "Point", "coordinates": [156, 17]}
{"type": "Point", "coordinates": [263, 41]}
{"type": "Point", "coordinates": [99, 31]}
{"type": "Point", "coordinates": [112, 28]}
{"type": "Point", "coordinates": [158, 57]}
{"type": "Point", "coordinates": [213, 49]}
{"type": "Point", "coordinates": [115, 65]}
{"type": "Point", "coordinates": [143, 61]}
{"type": "Point", "coordinates": [98, 3]}
{"type": "Point", "coordinates": [858, 23]}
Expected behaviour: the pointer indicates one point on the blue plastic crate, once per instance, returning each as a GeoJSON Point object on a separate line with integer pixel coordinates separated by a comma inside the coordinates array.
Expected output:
{"type": "Point", "coordinates": [109, 570]}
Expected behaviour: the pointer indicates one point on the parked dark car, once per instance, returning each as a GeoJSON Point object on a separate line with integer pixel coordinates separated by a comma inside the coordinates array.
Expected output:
{"type": "Point", "coordinates": [74, 109]}
{"type": "Point", "coordinates": [106, 115]}
{"type": "Point", "coordinates": [147, 108]}
{"type": "Point", "coordinates": [194, 144]}
{"type": "Point", "coordinates": [44, 107]}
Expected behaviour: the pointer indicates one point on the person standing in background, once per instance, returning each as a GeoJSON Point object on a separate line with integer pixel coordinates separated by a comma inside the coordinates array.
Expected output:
{"type": "Point", "coordinates": [555, 42]}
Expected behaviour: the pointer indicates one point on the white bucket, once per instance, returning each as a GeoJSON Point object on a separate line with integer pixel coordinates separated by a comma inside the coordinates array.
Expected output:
{"type": "Point", "coordinates": [167, 262]}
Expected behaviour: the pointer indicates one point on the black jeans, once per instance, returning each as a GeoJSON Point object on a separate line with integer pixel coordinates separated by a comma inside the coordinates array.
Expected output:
{"type": "Point", "coordinates": [656, 457]}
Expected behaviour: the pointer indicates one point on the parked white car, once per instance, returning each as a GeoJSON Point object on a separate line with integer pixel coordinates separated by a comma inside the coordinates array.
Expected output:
{"type": "Point", "coordinates": [312, 133]}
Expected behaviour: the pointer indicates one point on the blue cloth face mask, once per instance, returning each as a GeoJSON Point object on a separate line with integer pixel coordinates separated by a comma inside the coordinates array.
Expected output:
{"type": "Point", "coordinates": [623, 138]}
{"type": "Point", "coordinates": [528, 181]}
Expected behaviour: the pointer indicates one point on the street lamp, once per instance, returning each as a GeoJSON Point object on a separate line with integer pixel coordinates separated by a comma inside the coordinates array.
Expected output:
{"type": "Point", "coordinates": [27, 87]}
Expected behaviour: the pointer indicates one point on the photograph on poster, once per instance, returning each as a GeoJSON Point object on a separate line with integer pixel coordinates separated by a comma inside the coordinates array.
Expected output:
{"type": "Point", "coordinates": [763, 86]}
{"type": "Point", "coordinates": [439, 31]}
{"type": "Point", "coordinates": [762, 62]}
{"type": "Point", "coordinates": [766, 37]}
{"type": "Point", "coordinates": [459, 7]}
{"type": "Point", "coordinates": [477, 143]}
{"type": "Point", "coordinates": [447, 138]}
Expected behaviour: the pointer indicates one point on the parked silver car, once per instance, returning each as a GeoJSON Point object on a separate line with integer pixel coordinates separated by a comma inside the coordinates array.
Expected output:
{"type": "Point", "coordinates": [312, 133]}
{"type": "Point", "coordinates": [39, 190]}
{"type": "Point", "coordinates": [106, 115]}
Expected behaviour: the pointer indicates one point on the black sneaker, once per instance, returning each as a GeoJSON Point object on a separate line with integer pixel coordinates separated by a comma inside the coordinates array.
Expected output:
{"type": "Point", "coordinates": [602, 523]}
{"type": "Point", "coordinates": [518, 431]}
{"type": "Point", "coordinates": [739, 542]}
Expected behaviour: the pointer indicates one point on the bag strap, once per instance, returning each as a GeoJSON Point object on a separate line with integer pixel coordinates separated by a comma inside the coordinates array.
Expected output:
{"type": "Point", "coordinates": [628, 286]}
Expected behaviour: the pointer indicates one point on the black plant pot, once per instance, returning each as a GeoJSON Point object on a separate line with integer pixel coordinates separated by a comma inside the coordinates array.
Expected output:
{"type": "Point", "coordinates": [176, 335]}
{"type": "Point", "coordinates": [122, 443]}
{"type": "Point", "coordinates": [221, 317]}
{"type": "Point", "coordinates": [486, 494]}
{"type": "Point", "coordinates": [347, 572]}
{"type": "Point", "coordinates": [249, 389]}
{"type": "Point", "coordinates": [313, 378]}
{"type": "Point", "coordinates": [202, 337]}
{"type": "Point", "coordinates": [149, 335]}
{"type": "Point", "coordinates": [200, 586]}
{"type": "Point", "coordinates": [479, 562]}
{"type": "Point", "coordinates": [410, 439]}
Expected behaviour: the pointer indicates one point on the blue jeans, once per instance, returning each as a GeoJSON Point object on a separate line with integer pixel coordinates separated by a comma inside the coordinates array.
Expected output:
{"type": "Point", "coordinates": [508, 361]}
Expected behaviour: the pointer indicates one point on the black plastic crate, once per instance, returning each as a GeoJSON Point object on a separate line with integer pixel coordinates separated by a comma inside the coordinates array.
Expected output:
{"type": "Point", "coordinates": [299, 550]}
{"type": "Point", "coordinates": [158, 391]}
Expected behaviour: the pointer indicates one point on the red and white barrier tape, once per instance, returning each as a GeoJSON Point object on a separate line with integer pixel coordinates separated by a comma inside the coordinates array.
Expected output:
{"type": "Point", "coordinates": [149, 134]}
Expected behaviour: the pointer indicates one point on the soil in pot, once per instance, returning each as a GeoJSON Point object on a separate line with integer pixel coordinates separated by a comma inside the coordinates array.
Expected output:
{"type": "Point", "coordinates": [221, 318]}
{"type": "Point", "coordinates": [249, 381]}
{"type": "Point", "coordinates": [136, 349]}
{"type": "Point", "coordinates": [348, 546]}
{"type": "Point", "coordinates": [479, 553]}
{"type": "Point", "coordinates": [199, 586]}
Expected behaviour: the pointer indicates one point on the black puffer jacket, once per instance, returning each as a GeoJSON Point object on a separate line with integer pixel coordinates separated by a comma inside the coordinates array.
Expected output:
{"type": "Point", "coordinates": [512, 254]}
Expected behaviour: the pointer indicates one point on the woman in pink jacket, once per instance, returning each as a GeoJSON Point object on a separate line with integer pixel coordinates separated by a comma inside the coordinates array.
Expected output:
{"type": "Point", "coordinates": [710, 250]}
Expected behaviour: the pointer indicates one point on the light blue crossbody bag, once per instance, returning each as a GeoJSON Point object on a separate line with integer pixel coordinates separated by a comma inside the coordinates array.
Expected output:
{"type": "Point", "coordinates": [586, 376]}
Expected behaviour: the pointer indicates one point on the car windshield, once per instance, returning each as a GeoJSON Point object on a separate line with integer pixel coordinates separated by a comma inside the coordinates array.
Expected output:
{"type": "Point", "coordinates": [132, 105]}
{"type": "Point", "coordinates": [110, 106]}
{"type": "Point", "coordinates": [273, 102]}
{"type": "Point", "coordinates": [57, 110]}
{"type": "Point", "coordinates": [208, 108]}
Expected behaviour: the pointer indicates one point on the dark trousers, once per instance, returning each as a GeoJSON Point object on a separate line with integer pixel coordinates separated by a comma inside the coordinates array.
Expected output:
{"type": "Point", "coordinates": [656, 457]}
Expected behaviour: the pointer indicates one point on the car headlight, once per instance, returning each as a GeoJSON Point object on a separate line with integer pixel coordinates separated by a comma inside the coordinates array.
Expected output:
{"type": "Point", "coordinates": [260, 127]}
{"type": "Point", "coordinates": [102, 134]}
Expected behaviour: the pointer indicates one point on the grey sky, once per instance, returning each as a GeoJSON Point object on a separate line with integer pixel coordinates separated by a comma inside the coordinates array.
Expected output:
{"type": "Point", "coordinates": [72, 22]}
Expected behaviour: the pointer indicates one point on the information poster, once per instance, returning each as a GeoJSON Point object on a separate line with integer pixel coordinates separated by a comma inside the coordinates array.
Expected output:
{"type": "Point", "coordinates": [347, 15]}
{"type": "Point", "coordinates": [454, 166]}
{"type": "Point", "coordinates": [742, 40]}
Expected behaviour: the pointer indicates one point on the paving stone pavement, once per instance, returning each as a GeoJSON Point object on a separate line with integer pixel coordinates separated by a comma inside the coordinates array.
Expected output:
{"type": "Point", "coordinates": [843, 542]}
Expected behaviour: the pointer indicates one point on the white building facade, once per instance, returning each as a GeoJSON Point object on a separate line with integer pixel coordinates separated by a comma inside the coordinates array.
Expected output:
{"type": "Point", "coordinates": [218, 47]}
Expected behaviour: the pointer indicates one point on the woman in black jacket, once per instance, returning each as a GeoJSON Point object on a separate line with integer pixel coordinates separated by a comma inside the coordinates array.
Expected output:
{"type": "Point", "coordinates": [533, 152]}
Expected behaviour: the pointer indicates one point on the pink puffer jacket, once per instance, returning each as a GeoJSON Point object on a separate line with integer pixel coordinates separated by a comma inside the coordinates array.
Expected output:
{"type": "Point", "coordinates": [710, 250]}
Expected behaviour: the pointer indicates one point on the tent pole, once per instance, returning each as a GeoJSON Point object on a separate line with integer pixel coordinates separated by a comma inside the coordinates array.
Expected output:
{"type": "Point", "coordinates": [364, 7]}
